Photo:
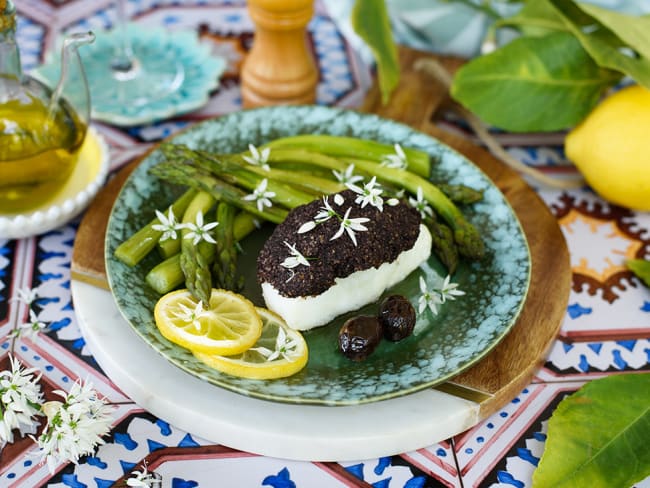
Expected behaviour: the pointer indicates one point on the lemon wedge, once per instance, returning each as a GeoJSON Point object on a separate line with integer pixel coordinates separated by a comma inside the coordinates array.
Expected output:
{"type": "Point", "coordinates": [279, 352]}
{"type": "Point", "coordinates": [229, 324]}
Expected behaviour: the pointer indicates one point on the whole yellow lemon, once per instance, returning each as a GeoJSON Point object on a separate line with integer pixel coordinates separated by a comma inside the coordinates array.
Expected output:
{"type": "Point", "coordinates": [611, 148]}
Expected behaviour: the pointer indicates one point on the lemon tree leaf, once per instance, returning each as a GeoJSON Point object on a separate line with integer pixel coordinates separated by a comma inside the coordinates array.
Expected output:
{"type": "Point", "coordinates": [533, 84]}
{"type": "Point", "coordinates": [607, 47]}
{"type": "Point", "coordinates": [641, 268]}
{"type": "Point", "coordinates": [371, 23]}
{"type": "Point", "coordinates": [536, 18]}
{"type": "Point", "coordinates": [598, 436]}
{"type": "Point", "coordinates": [633, 30]}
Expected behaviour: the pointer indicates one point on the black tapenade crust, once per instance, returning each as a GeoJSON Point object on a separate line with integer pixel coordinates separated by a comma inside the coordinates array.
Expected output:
{"type": "Point", "coordinates": [390, 232]}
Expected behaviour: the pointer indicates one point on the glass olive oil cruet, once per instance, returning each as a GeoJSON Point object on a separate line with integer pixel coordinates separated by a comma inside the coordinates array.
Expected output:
{"type": "Point", "coordinates": [41, 130]}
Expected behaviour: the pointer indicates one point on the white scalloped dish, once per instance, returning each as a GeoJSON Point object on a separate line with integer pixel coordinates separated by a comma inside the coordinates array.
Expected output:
{"type": "Point", "coordinates": [84, 183]}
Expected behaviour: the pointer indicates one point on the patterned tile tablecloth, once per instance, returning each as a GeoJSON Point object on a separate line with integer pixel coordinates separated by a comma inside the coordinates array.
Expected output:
{"type": "Point", "coordinates": [606, 329]}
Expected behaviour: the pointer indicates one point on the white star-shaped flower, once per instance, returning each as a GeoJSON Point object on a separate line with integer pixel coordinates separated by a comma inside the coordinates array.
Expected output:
{"type": "Point", "coordinates": [190, 316]}
{"type": "Point", "coordinates": [142, 479]}
{"type": "Point", "coordinates": [260, 196]}
{"type": "Point", "coordinates": [168, 225]}
{"type": "Point", "coordinates": [442, 291]}
{"type": "Point", "coordinates": [20, 398]}
{"type": "Point", "coordinates": [326, 212]}
{"type": "Point", "coordinates": [347, 177]}
{"type": "Point", "coordinates": [369, 194]}
{"type": "Point", "coordinates": [257, 157]}
{"type": "Point", "coordinates": [26, 295]}
{"type": "Point", "coordinates": [397, 160]}
{"type": "Point", "coordinates": [421, 205]}
{"type": "Point", "coordinates": [295, 258]}
{"type": "Point", "coordinates": [31, 328]}
{"type": "Point", "coordinates": [350, 226]}
{"type": "Point", "coordinates": [198, 231]}
{"type": "Point", "coordinates": [284, 347]}
{"type": "Point", "coordinates": [75, 426]}
{"type": "Point", "coordinates": [448, 290]}
{"type": "Point", "coordinates": [428, 298]}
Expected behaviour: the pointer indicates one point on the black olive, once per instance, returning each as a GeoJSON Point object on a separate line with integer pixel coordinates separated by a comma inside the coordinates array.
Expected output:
{"type": "Point", "coordinates": [397, 317]}
{"type": "Point", "coordinates": [359, 336]}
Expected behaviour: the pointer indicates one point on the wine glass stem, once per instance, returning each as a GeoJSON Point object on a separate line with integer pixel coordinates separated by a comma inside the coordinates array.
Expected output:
{"type": "Point", "coordinates": [123, 61]}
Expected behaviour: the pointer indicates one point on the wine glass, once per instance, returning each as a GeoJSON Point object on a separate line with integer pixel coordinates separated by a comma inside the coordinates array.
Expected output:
{"type": "Point", "coordinates": [131, 70]}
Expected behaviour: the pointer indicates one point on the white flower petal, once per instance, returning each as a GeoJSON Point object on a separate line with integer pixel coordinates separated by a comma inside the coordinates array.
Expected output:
{"type": "Point", "coordinates": [306, 227]}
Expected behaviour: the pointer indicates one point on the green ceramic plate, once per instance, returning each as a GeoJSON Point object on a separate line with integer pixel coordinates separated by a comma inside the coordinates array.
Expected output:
{"type": "Point", "coordinates": [462, 333]}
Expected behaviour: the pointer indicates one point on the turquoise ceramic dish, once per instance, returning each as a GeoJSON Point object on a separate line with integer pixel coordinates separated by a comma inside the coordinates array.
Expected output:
{"type": "Point", "coordinates": [462, 333]}
{"type": "Point", "coordinates": [191, 74]}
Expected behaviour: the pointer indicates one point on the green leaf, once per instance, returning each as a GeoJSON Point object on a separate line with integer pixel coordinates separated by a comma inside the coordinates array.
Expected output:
{"type": "Point", "coordinates": [641, 268]}
{"type": "Point", "coordinates": [633, 30]}
{"type": "Point", "coordinates": [533, 84]}
{"type": "Point", "coordinates": [598, 436]}
{"type": "Point", "coordinates": [370, 21]}
{"type": "Point", "coordinates": [536, 18]}
{"type": "Point", "coordinates": [608, 47]}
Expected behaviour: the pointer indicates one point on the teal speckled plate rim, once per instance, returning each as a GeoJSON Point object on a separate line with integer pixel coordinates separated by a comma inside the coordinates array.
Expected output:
{"type": "Point", "coordinates": [462, 333]}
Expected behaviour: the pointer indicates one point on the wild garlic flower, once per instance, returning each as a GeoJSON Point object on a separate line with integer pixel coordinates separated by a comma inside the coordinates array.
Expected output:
{"type": "Point", "coordinates": [369, 194]}
{"type": "Point", "coordinates": [448, 290]}
{"type": "Point", "coordinates": [143, 479]}
{"type": "Point", "coordinates": [421, 205]}
{"type": "Point", "coordinates": [29, 329]}
{"type": "Point", "coordinates": [284, 348]}
{"type": "Point", "coordinates": [26, 295]}
{"type": "Point", "coordinates": [347, 176]}
{"type": "Point", "coordinates": [350, 226]}
{"type": "Point", "coordinates": [200, 231]}
{"type": "Point", "coordinates": [428, 298]}
{"type": "Point", "coordinates": [258, 158]}
{"type": "Point", "coordinates": [190, 316]}
{"type": "Point", "coordinates": [260, 196]}
{"type": "Point", "coordinates": [168, 225]}
{"type": "Point", "coordinates": [442, 291]}
{"type": "Point", "coordinates": [325, 213]}
{"type": "Point", "coordinates": [75, 426]}
{"type": "Point", "coordinates": [20, 401]}
{"type": "Point", "coordinates": [397, 160]}
{"type": "Point", "coordinates": [295, 258]}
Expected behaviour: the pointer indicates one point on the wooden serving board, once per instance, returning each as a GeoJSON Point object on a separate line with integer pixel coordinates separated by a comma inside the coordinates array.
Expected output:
{"type": "Point", "coordinates": [510, 366]}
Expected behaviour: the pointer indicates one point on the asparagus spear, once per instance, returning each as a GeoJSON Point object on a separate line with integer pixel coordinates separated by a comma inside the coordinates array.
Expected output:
{"type": "Point", "coordinates": [235, 173]}
{"type": "Point", "coordinates": [196, 258]}
{"type": "Point", "coordinates": [352, 147]}
{"type": "Point", "coordinates": [460, 194]}
{"type": "Point", "coordinates": [186, 174]}
{"type": "Point", "coordinates": [168, 275]}
{"type": "Point", "coordinates": [144, 240]}
{"type": "Point", "coordinates": [466, 236]}
{"type": "Point", "coordinates": [225, 266]}
{"type": "Point", "coordinates": [168, 247]}
{"type": "Point", "coordinates": [443, 244]}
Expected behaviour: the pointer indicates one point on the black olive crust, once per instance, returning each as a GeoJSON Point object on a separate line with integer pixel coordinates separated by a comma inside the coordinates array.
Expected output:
{"type": "Point", "coordinates": [390, 232]}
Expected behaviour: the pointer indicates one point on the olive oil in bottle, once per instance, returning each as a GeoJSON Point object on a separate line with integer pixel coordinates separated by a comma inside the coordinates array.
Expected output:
{"type": "Point", "coordinates": [41, 129]}
{"type": "Point", "coordinates": [38, 152]}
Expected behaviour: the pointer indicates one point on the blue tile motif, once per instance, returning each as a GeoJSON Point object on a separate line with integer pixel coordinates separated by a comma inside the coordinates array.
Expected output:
{"type": "Point", "coordinates": [576, 310]}
{"type": "Point", "coordinates": [280, 480]}
{"type": "Point", "coordinates": [181, 483]}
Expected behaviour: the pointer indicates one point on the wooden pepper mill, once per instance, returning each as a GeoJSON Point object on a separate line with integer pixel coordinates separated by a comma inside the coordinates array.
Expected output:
{"type": "Point", "coordinates": [280, 68]}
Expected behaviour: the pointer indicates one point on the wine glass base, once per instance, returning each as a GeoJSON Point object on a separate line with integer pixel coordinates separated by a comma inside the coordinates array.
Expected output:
{"type": "Point", "coordinates": [148, 80]}
{"type": "Point", "coordinates": [173, 73]}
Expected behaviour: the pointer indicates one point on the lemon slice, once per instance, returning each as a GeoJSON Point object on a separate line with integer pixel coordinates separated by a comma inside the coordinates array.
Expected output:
{"type": "Point", "coordinates": [279, 352]}
{"type": "Point", "coordinates": [229, 324]}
